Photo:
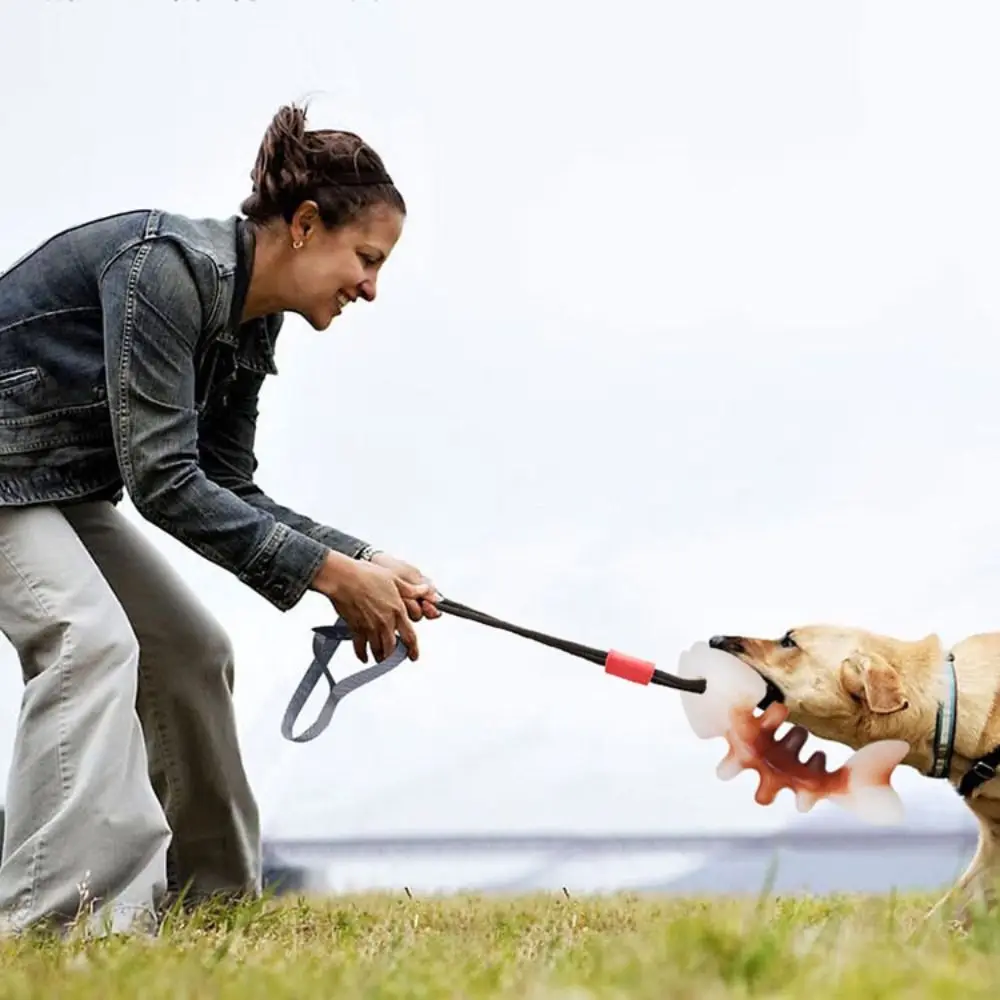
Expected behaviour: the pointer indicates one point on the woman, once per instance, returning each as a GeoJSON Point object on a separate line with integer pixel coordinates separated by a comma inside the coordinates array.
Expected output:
{"type": "Point", "coordinates": [132, 353]}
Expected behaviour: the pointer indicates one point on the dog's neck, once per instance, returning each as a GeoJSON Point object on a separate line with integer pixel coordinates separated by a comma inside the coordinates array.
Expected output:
{"type": "Point", "coordinates": [973, 701]}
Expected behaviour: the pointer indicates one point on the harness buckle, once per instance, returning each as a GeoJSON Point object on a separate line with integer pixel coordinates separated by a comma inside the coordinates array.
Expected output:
{"type": "Point", "coordinates": [983, 770]}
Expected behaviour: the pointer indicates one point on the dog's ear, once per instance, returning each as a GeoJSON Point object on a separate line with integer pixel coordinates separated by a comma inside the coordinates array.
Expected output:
{"type": "Point", "coordinates": [872, 678]}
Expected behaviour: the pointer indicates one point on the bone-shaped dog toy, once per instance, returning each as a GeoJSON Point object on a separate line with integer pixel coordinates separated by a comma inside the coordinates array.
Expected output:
{"type": "Point", "coordinates": [727, 709]}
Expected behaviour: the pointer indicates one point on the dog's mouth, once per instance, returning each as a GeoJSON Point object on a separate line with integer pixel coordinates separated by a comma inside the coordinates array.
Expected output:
{"type": "Point", "coordinates": [734, 646]}
{"type": "Point", "coordinates": [774, 693]}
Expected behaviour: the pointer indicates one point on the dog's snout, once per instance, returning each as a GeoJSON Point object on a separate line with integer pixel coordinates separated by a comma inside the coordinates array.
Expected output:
{"type": "Point", "coordinates": [727, 643]}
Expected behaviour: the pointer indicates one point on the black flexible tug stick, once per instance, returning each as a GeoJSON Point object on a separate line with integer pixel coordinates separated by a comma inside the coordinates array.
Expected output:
{"type": "Point", "coordinates": [328, 637]}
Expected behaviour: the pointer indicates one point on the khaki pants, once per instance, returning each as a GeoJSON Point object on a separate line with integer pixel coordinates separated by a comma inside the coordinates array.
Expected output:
{"type": "Point", "coordinates": [126, 745]}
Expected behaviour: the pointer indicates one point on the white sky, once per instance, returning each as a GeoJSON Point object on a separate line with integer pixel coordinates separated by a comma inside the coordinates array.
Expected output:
{"type": "Point", "coordinates": [693, 328]}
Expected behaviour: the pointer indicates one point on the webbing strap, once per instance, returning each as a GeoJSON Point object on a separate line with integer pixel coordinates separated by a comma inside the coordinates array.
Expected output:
{"type": "Point", "coordinates": [325, 642]}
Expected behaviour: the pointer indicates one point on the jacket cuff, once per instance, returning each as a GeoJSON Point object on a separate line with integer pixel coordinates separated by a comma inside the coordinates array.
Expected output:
{"type": "Point", "coordinates": [339, 541]}
{"type": "Point", "coordinates": [284, 568]}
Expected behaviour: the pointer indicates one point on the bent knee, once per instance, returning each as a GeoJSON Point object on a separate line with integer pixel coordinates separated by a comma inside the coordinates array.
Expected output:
{"type": "Point", "coordinates": [202, 652]}
{"type": "Point", "coordinates": [217, 653]}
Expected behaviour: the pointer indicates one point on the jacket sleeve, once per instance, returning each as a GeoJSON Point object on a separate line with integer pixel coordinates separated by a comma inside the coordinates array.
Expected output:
{"type": "Point", "coordinates": [153, 318]}
{"type": "Point", "coordinates": [227, 455]}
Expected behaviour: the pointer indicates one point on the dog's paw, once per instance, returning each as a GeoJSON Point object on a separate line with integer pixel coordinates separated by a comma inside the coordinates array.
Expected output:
{"type": "Point", "coordinates": [943, 914]}
{"type": "Point", "coordinates": [958, 916]}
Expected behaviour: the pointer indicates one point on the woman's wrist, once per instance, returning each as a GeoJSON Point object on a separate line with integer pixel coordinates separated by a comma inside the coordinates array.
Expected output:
{"type": "Point", "coordinates": [332, 572]}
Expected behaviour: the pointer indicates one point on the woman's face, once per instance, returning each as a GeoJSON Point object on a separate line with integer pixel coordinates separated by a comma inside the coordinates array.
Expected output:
{"type": "Point", "coordinates": [333, 267]}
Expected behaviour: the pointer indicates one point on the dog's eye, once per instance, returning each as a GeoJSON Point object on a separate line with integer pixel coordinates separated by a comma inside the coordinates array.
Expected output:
{"type": "Point", "coordinates": [787, 641]}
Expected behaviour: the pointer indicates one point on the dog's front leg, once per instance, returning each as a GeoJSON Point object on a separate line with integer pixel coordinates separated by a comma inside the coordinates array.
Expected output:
{"type": "Point", "coordinates": [976, 889]}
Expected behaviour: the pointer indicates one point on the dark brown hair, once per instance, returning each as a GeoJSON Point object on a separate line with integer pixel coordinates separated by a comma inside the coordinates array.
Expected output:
{"type": "Point", "coordinates": [337, 170]}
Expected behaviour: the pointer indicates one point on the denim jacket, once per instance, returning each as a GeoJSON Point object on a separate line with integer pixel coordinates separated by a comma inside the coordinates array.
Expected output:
{"type": "Point", "coordinates": [123, 366]}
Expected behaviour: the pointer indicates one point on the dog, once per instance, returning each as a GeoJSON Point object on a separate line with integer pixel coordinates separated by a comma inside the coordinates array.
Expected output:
{"type": "Point", "coordinates": [855, 687]}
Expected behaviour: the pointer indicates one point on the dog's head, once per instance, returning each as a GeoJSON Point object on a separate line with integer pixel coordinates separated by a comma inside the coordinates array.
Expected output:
{"type": "Point", "coordinates": [842, 684]}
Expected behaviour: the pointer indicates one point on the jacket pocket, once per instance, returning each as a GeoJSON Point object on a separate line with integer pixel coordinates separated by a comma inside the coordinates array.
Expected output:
{"type": "Point", "coordinates": [70, 427]}
{"type": "Point", "coordinates": [16, 380]}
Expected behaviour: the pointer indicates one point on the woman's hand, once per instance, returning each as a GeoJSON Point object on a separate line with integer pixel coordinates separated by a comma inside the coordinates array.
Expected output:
{"type": "Point", "coordinates": [375, 601]}
{"type": "Point", "coordinates": [416, 608]}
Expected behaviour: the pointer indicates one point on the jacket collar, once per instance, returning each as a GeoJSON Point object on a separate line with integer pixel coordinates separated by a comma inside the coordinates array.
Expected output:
{"type": "Point", "coordinates": [254, 339]}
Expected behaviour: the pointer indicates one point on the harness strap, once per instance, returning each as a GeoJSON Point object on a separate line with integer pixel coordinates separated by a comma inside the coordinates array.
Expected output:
{"type": "Point", "coordinates": [983, 769]}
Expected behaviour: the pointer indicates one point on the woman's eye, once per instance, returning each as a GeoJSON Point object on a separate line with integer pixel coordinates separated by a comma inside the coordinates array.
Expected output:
{"type": "Point", "coordinates": [787, 641]}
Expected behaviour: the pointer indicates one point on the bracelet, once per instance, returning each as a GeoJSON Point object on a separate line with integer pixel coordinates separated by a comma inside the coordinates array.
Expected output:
{"type": "Point", "coordinates": [368, 553]}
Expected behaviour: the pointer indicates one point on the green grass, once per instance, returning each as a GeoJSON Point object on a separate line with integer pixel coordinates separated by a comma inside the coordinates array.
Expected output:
{"type": "Point", "coordinates": [527, 947]}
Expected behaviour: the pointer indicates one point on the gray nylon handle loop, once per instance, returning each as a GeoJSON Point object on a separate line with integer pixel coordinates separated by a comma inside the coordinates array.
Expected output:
{"type": "Point", "coordinates": [326, 639]}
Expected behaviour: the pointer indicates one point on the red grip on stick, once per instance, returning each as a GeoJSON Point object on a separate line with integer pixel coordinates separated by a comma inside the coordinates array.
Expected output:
{"type": "Point", "coordinates": [629, 668]}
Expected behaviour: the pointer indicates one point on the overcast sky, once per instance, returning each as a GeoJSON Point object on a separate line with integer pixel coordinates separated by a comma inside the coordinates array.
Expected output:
{"type": "Point", "coordinates": [692, 329]}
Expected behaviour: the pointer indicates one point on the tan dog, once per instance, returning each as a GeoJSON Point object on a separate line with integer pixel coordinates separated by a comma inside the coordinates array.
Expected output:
{"type": "Point", "coordinates": [855, 687]}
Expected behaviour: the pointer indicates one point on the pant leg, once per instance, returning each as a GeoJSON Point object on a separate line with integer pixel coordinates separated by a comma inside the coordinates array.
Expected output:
{"type": "Point", "coordinates": [82, 821]}
{"type": "Point", "coordinates": [186, 707]}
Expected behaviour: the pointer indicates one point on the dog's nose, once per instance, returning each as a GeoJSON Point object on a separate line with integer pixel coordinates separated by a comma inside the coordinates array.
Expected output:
{"type": "Point", "coordinates": [727, 643]}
